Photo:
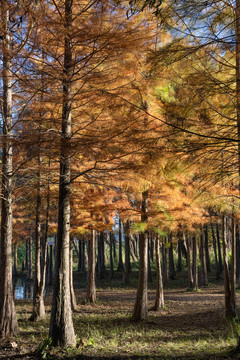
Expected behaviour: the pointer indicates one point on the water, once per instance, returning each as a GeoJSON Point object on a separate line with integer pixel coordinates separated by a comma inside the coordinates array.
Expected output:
{"type": "Point", "coordinates": [22, 289]}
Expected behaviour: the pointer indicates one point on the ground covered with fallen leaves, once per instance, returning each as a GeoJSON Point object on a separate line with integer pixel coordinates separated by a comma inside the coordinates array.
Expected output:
{"type": "Point", "coordinates": [191, 326]}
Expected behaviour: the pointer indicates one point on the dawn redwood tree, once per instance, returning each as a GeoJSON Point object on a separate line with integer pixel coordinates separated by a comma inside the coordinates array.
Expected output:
{"type": "Point", "coordinates": [159, 297]}
{"type": "Point", "coordinates": [140, 311]}
{"type": "Point", "coordinates": [8, 320]}
{"type": "Point", "coordinates": [91, 285]}
{"type": "Point", "coordinates": [61, 326]}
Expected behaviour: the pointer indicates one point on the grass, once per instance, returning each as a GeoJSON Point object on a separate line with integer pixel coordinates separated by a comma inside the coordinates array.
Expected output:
{"type": "Point", "coordinates": [191, 326]}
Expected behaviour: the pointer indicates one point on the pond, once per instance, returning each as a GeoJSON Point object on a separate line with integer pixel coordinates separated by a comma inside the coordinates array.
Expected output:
{"type": "Point", "coordinates": [22, 289]}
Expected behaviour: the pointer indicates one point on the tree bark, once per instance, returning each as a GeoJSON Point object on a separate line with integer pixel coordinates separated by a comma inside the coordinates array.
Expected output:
{"type": "Point", "coordinates": [172, 272]}
{"type": "Point", "coordinates": [220, 262]}
{"type": "Point", "coordinates": [165, 264]}
{"type": "Point", "coordinates": [215, 252]}
{"type": "Point", "coordinates": [179, 247]}
{"type": "Point", "coordinates": [29, 272]}
{"type": "Point", "coordinates": [61, 325]}
{"type": "Point", "coordinates": [141, 304]}
{"type": "Point", "coordinates": [111, 274]}
{"type": "Point", "coordinates": [206, 244]}
{"type": "Point", "coordinates": [190, 274]}
{"type": "Point", "coordinates": [73, 297]}
{"type": "Point", "coordinates": [91, 285]}
{"type": "Point", "coordinates": [26, 255]}
{"type": "Point", "coordinates": [8, 320]}
{"type": "Point", "coordinates": [15, 267]}
{"type": "Point", "coordinates": [233, 269]}
{"type": "Point", "coordinates": [127, 267]}
{"type": "Point", "coordinates": [120, 261]}
{"type": "Point", "coordinates": [203, 260]}
{"type": "Point", "coordinates": [195, 265]}
{"type": "Point", "coordinates": [149, 264]}
{"type": "Point", "coordinates": [228, 308]}
{"type": "Point", "coordinates": [159, 298]}
{"type": "Point", "coordinates": [38, 311]}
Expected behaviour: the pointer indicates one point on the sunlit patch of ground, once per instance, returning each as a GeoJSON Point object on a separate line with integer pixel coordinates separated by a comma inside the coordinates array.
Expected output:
{"type": "Point", "coordinates": [191, 326]}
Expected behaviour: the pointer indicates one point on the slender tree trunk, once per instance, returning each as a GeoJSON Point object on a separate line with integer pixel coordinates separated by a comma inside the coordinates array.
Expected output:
{"type": "Point", "coordinates": [38, 311]}
{"type": "Point", "coordinates": [73, 297]}
{"type": "Point", "coordinates": [165, 264]}
{"type": "Point", "coordinates": [29, 273]}
{"type": "Point", "coordinates": [15, 267]}
{"type": "Point", "coordinates": [237, 34]}
{"type": "Point", "coordinates": [237, 253]}
{"type": "Point", "coordinates": [220, 262]}
{"type": "Point", "coordinates": [195, 265]}
{"type": "Point", "coordinates": [159, 299]}
{"type": "Point", "coordinates": [172, 272]}
{"type": "Point", "coordinates": [215, 252]}
{"type": "Point", "coordinates": [26, 255]}
{"type": "Point", "coordinates": [203, 260]}
{"type": "Point", "coordinates": [102, 254]}
{"type": "Point", "coordinates": [206, 244]}
{"type": "Point", "coordinates": [190, 274]}
{"type": "Point", "coordinates": [45, 246]}
{"type": "Point", "coordinates": [149, 264]}
{"type": "Point", "coordinates": [127, 267]}
{"type": "Point", "coordinates": [91, 285]}
{"type": "Point", "coordinates": [132, 249]}
{"type": "Point", "coordinates": [111, 255]}
{"type": "Point", "coordinates": [120, 261]}
{"type": "Point", "coordinates": [8, 320]}
{"type": "Point", "coordinates": [179, 247]}
{"type": "Point", "coordinates": [61, 325]}
{"type": "Point", "coordinates": [50, 266]}
{"type": "Point", "coordinates": [141, 304]}
{"type": "Point", "coordinates": [233, 269]}
{"type": "Point", "coordinates": [114, 247]}
{"type": "Point", "coordinates": [228, 308]}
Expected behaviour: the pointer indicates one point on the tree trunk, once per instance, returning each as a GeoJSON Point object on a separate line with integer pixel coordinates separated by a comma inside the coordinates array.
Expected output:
{"type": "Point", "coordinates": [233, 269]}
{"type": "Point", "coordinates": [91, 285]}
{"type": "Point", "coordinates": [190, 274]}
{"type": "Point", "coordinates": [111, 240]}
{"type": "Point", "coordinates": [38, 311]}
{"type": "Point", "coordinates": [26, 256]}
{"type": "Point", "coordinates": [159, 299]}
{"type": "Point", "coordinates": [215, 252]}
{"type": "Point", "coordinates": [149, 264]}
{"type": "Point", "coordinates": [29, 273]}
{"type": "Point", "coordinates": [141, 304]}
{"type": "Point", "coordinates": [73, 297]}
{"type": "Point", "coordinates": [165, 264]}
{"type": "Point", "coordinates": [50, 266]}
{"type": "Point", "coordinates": [15, 260]}
{"type": "Point", "coordinates": [195, 265]}
{"type": "Point", "coordinates": [179, 247]}
{"type": "Point", "coordinates": [114, 247]}
{"type": "Point", "coordinates": [220, 262]}
{"type": "Point", "coordinates": [132, 248]}
{"type": "Point", "coordinates": [203, 260]}
{"type": "Point", "coordinates": [172, 272]}
{"type": "Point", "coordinates": [120, 261]}
{"type": "Point", "coordinates": [228, 307]}
{"type": "Point", "coordinates": [61, 326]}
{"type": "Point", "coordinates": [206, 244]}
{"type": "Point", "coordinates": [127, 267]}
{"type": "Point", "coordinates": [152, 248]}
{"type": "Point", "coordinates": [8, 320]}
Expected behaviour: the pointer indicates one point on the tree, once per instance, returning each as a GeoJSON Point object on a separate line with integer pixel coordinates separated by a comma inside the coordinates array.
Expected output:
{"type": "Point", "coordinates": [61, 328]}
{"type": "Point", "coordinates": [8, 320]}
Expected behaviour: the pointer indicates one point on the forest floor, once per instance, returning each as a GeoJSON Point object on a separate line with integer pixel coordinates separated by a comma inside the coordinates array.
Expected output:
{"type": "Point", "coordinates": [191, 326]}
